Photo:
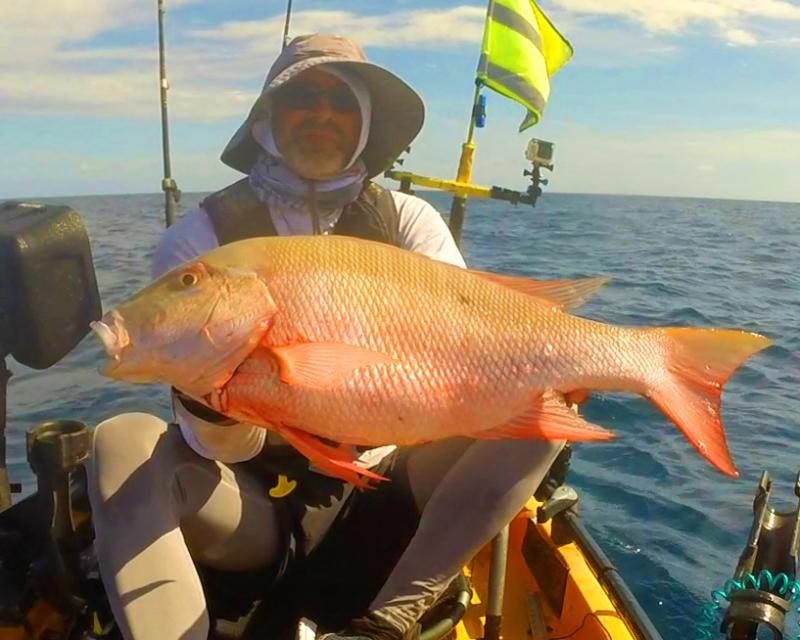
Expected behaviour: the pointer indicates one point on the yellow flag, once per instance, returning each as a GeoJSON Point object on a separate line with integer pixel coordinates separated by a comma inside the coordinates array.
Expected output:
{"type": "Point", "coordinates": [521, 50]}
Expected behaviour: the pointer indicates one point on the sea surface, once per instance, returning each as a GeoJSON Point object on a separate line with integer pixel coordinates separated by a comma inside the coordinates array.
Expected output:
{"type": "Point", "coordinates": [673, 525]}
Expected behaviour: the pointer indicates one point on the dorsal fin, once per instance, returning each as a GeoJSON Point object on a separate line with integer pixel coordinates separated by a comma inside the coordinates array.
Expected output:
{"type": "Point", "coordinates": [565, 294]}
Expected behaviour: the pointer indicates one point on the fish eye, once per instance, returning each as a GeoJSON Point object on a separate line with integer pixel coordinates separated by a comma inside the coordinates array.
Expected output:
{"type": "Point", "coordinates": [188, 279]}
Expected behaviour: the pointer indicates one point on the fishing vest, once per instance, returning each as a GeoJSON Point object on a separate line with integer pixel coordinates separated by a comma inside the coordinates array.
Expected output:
{"type": "Point", "coordinates": [237, 213]}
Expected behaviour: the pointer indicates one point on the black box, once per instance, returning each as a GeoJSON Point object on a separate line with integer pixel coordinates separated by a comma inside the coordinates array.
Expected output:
{"type": "Point", "coordinates": [48, 288]}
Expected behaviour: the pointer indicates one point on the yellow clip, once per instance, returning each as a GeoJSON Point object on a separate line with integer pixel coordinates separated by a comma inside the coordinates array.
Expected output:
{"type": "Point", "coordinates": [97, 628]}
{"type": "Point", "coordinates": [283, 488]}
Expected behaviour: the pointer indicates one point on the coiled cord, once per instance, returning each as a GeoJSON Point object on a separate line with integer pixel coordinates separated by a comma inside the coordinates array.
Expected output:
{"type": "Point", "coordinates": [779, 584]}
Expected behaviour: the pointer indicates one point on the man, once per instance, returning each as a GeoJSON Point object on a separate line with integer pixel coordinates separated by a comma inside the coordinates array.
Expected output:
{"type": "Point", "coordinates": [238, 499]}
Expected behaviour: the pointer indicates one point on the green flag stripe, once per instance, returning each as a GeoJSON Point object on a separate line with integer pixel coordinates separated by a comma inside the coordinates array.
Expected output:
{"type": "Point", "coordinates": [518, 55]}
{"type": "Point", "coordinates": [515, 86]}
{"type": "Point", "coordinates": [511, 19]}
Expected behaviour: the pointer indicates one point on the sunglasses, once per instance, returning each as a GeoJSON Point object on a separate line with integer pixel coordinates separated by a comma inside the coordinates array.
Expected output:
{"type": "Point", "coordinates": [309, 98]}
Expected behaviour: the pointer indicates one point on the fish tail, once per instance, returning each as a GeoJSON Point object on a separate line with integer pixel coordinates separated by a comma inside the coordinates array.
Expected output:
{"type": "Point", "coordinates": [699, 363]}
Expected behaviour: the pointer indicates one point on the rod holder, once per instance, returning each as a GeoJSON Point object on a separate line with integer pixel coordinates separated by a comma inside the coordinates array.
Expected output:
{"type": "Point", "coordinates": [772, 546]}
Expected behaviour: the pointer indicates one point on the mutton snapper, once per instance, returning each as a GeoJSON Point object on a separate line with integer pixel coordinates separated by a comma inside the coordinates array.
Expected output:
{"type": "Point", "coordinates": [361, 343]}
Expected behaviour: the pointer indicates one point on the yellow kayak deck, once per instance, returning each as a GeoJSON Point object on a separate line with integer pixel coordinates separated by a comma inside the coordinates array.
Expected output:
{"type": "Point", "coordinates": [552, 590]}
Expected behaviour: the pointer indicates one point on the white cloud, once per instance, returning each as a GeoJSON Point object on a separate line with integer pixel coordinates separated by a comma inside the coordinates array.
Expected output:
{"type": "Point", "coordinates": [54, 58]}
{"type": "Point", "coordinates": [740, 37]}
{"type": "Point", "coordinates": [48, 69]}
{"type": "Point", "coordinates": [613, 47]}
{"type": "Point", "coordinates": [731, 20]}
{"type": "Point", "coordinates": [48, 64]}
{"type": "Point", "coordinates": [429, 28]}
{"type": "Point", "coordinates": [45, 25]}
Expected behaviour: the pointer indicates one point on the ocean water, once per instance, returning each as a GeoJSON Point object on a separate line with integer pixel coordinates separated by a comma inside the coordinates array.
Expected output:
{"type": "Point", "coordinates": [673, 525]}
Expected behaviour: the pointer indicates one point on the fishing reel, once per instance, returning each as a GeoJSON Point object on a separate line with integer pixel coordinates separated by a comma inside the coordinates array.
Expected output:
{"type": "Point", "coordinates": [764, 586]}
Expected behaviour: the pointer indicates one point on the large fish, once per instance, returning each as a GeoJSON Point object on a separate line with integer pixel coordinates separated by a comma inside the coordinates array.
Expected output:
{"type": "Point", "coordinates": [362, 343]}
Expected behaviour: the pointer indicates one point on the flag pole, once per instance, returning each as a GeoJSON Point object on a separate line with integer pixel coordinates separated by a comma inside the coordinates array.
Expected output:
{"type": "Point", "coordinates": [458, 206]}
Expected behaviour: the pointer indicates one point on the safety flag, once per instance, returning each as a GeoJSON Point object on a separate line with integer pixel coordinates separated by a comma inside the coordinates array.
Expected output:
{"type": "Point", "coordinates": [521, 50]}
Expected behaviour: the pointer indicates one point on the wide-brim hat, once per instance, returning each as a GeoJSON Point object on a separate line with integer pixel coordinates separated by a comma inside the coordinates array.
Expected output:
{"type": "Point", "coordinates": [397, 110]}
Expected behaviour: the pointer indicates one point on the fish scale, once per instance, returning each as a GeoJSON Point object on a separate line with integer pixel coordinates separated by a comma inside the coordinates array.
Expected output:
{"type": "Point", "coordinates": [442, 340]}
{"type": "Point", "coordinates": [479, 335]}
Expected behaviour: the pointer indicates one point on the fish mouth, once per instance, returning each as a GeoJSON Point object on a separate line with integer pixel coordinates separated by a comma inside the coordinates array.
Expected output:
{"type": "Point", "coordinates": [114, 337]}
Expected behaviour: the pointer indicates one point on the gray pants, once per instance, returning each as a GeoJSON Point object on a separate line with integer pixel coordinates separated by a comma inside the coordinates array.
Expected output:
{"type": "Point", "coordinates": [158, 507]}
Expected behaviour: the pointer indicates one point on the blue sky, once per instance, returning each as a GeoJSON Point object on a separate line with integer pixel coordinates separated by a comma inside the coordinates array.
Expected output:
{"type": "Point", "coordinates": [662, 97]}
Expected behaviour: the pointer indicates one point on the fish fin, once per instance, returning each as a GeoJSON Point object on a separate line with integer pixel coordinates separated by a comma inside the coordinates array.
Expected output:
{"type": "Point", "coordinates": [323, 364]}
{"type": "Point", "coordinates": [548, 419]}
{"type": "Point", "coordinates": [564, 294]}
{"type": "Point", "coordinates": [577, 396]}
{"type": "Point", "coordinates": [333, 460]}
{"type": "Point", "coordinates": [700, 362]}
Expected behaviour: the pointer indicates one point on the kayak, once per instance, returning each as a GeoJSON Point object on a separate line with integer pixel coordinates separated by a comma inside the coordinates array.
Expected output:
{"type": "Point", "coordinates": [559, 584]}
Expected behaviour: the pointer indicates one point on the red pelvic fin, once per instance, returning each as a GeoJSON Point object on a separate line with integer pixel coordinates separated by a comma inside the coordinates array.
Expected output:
{"type": "Point", "coordinates": [333, 460]}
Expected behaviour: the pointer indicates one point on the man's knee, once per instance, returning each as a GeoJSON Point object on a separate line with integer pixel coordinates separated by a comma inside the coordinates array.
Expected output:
{"type": "Point", "coordinates": [121, 445]}
{"type": "Point", "coordinates": [518, 455]}
{"type": "Point", "coordinates": [128, 435]}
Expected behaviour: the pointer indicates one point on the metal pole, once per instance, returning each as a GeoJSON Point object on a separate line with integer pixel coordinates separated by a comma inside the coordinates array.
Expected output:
{"type": "Point", "coordinates": [5, 486]}
{"type": "Point", "coordinates": [471, 130]}
{"type": "Point", "coordinates": [459, 205]}
{"type": "Point", "coordinates": [286, 24]}
{"type": "Point", "coordinates": [168, 185]}
{"type": "Point", "coordinates": [458, 208]}
{"type": "Point", "coordinates": [497, 584]}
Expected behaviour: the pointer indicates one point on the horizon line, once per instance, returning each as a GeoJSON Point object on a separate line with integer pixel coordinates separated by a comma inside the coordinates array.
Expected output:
{"type": "Point", "coordinates": [4, 199]}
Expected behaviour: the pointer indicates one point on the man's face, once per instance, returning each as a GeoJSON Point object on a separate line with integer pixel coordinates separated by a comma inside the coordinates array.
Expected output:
{"type": "Point", "coordinates": [316, 122]}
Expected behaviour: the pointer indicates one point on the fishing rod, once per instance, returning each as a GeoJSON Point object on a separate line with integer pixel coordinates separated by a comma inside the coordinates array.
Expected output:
{"type": "Point", "coordinates": [172, 194]}
{"type": "Point", "coordinates": [286, 24]}
{"type": "Point", "coordinates": [5, 485]}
